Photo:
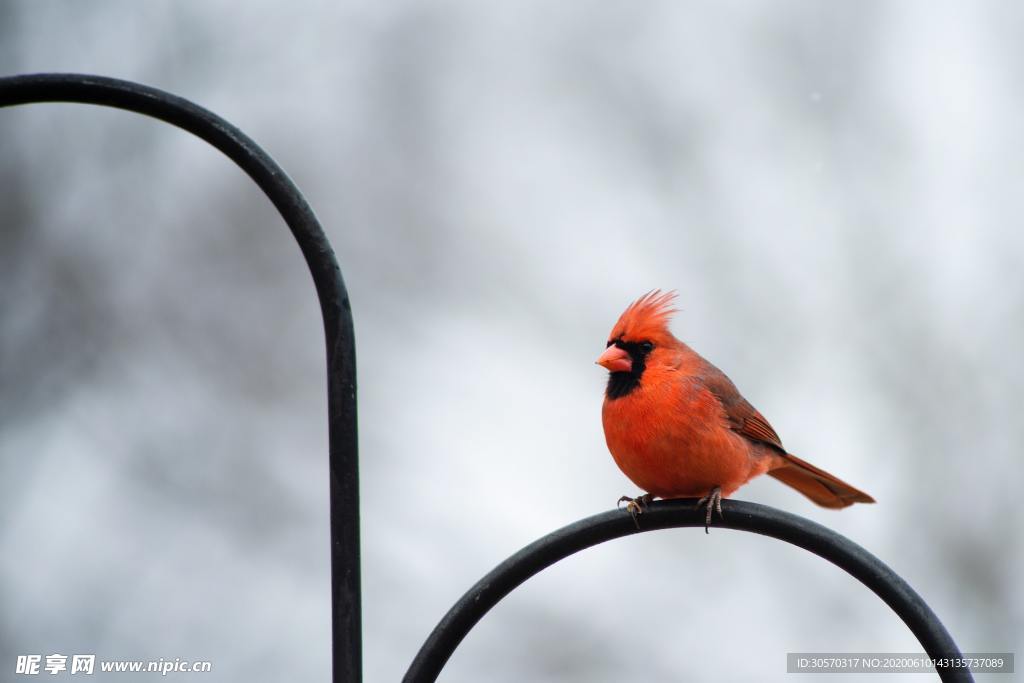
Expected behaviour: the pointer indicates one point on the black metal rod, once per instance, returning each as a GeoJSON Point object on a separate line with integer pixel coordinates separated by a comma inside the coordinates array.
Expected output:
{"type": "Point", "coordinates": [738, 515]}
{"type": "Point", "coordinates": [334, 305]}
{"type": "Point", "coordinates": [341, 389]}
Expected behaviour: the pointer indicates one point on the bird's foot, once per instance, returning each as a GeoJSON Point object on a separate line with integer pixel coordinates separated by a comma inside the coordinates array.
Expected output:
{"type": "Point", "coordinates": [713, 501]}
{"type": "Point", "coordinates": [636, 506]}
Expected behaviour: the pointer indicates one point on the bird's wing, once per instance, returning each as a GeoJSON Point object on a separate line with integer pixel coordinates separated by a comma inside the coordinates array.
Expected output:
{"type": "Point", "coordinates": [743, 417]}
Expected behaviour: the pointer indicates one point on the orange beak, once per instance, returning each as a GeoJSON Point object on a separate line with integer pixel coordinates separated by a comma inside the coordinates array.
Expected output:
{"type": "Point", "coordinates": [615, 359]}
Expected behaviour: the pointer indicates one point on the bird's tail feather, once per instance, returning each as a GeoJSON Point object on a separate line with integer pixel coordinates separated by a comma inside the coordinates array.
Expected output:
{"type": "Point", "coordinates": [817, 484]}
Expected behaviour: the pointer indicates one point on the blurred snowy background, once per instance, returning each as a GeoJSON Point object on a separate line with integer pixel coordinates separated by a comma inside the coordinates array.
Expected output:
{"type": "Point", "coordinates": [835, 189]}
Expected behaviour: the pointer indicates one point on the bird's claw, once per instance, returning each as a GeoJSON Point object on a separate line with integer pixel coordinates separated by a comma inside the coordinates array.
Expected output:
{"type": "Point", "coordinates": [635, 506]}
{"type": "Point", "coordinates": [713, 501]}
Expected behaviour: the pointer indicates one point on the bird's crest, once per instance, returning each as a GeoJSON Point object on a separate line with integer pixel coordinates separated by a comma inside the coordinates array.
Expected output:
{"type": "Point", "coordinates": [646, 318]}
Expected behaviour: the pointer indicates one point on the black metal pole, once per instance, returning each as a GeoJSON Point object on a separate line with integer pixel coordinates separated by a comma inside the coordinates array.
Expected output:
{"type": "Point", "coordinates": [334, 305]}
{"type": "Point", "coordinates": [739, 515]}
{"type": "Point", "coordinates": [341, 388]}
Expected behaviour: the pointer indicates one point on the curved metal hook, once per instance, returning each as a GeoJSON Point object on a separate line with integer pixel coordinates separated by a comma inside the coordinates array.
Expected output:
{"type": "Point", "coordinates": [334, 305]}
{"type": "Point", "coordinates": [342, 421]}
{"type": "Point", "coordinates": [669, 514]}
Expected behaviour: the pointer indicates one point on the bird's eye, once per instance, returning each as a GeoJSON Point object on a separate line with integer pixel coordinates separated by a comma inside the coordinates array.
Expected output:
{"type": "Point", "coordinates": [647, 346]}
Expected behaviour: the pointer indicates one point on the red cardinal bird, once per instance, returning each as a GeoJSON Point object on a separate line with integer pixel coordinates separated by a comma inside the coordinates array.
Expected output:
{"type": "Point", "coordinates": [678, 427]}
